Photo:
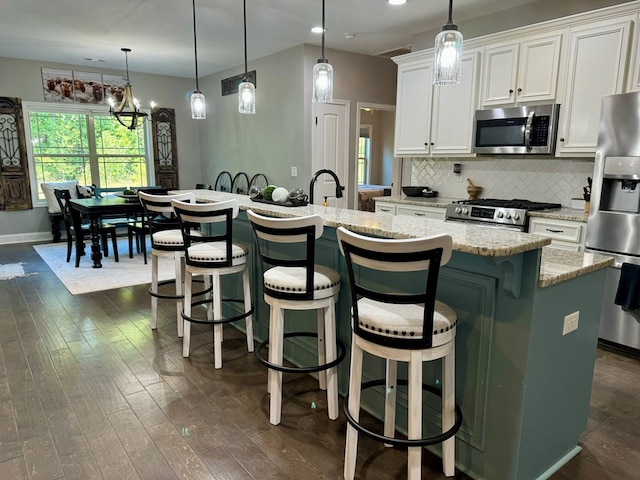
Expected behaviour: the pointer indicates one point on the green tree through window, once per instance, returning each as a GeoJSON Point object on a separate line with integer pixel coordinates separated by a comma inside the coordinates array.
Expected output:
{"type": "Point", "coordinates": [90, 147]}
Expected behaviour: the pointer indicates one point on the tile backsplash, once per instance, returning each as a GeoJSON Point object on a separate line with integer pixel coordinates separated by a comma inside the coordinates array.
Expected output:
{"type": "Point", "coordinates": [541, 179]}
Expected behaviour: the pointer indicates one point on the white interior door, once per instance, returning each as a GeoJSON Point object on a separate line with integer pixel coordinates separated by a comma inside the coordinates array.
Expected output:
{"type": "Point", "coordinates": [330, 144]}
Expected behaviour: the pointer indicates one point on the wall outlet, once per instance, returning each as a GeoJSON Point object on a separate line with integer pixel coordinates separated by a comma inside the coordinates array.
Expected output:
{"type": "Point", "coordinates": [294, 171]}
{"type": "Point", "coordinates": [570, 322]}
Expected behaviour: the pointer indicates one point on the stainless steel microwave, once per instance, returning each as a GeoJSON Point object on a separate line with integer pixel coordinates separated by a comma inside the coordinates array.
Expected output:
{"type": "Point", "coordinates": [529, 130]}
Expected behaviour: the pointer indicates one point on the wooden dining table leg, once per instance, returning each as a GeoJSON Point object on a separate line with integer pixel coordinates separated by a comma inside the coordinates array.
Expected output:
{"type": "Point", "coordinates": [96, 253]}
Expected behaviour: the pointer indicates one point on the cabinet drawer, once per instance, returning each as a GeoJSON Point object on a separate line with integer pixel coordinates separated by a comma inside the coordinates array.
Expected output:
{"type": "Point", "coordinates": [385, 208]}
{"type": "Point", "coordinates": [424, 212]}
{"type": "Point", "coordinates": [568, 232]}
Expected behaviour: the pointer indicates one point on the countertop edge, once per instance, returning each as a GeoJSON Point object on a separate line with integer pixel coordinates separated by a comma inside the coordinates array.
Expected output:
{"type": "Point", "coordinates": [557, 265]}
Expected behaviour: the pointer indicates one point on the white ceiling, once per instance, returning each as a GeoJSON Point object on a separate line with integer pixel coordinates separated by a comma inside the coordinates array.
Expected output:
{"type": "Point", "coordinates": [160, 32]}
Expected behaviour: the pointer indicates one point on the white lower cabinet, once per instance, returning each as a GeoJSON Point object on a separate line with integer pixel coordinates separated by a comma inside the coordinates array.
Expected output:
{"type": "Point", "coordinates": [565, 234]}
{"type": "Point", "coordinates": [433, 213]}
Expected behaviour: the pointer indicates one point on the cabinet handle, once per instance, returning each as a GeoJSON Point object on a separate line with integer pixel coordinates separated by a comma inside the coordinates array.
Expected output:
{"type": "Point", "coordinates": [419, 214]}
{"type": "Point", "coordinates": [385, 210]}
{"type": "Point", "coordinates": [554, 231]}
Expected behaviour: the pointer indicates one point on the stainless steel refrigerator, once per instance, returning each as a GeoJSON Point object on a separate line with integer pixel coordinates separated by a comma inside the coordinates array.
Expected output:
{"type": "Point", "coordinates": [613, 226]}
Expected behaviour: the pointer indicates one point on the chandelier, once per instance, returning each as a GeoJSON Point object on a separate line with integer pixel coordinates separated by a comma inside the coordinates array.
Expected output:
{"type": "Point", "coordinates": [128, 113]}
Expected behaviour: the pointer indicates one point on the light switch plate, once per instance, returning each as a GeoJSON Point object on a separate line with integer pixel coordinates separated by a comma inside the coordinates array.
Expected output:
{"type": "Point", "coordinates": [294, 171]}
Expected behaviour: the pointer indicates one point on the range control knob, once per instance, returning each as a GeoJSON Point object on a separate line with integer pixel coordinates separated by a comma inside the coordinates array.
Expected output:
{"type": "Point", "coordinates": [508, 215]}
{"type": "Point", "coordinates": [516, 216]}
{"type": "Point", "coordinates": [500, 214]}
{"type": "Point", "coordinates": [458, 210]}
{"type": "Point", "coordinates": [465, 210]}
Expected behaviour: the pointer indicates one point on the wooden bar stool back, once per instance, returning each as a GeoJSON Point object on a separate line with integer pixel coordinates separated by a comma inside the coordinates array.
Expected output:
{"type": "Point", "coordinates": [400, 324]}
{"type": "Point", "coordinates": [166, 241]}
{"type": "Point", "coordinates": [212, 254]}
{"type": "Point", "coordinates": [292, 281]}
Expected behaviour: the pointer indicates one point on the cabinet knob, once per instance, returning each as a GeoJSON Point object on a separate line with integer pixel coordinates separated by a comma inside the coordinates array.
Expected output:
{"type": "Point", "coordinates": [510, 91]}
{"type": "Point", "coordinates": [562, 139]}
{"type": "Point", "coordinates": [431, 144]}
{"type": "Point", "coordinates": [519, 91]}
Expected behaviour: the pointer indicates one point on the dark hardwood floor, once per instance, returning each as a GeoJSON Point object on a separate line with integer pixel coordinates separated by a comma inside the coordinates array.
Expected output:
{"type": "Point", "coordinates": [89, 391]}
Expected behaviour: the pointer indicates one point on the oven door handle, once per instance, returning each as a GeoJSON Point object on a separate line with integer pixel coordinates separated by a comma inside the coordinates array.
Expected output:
{"type": "Point", "coordinates": [527, 131]}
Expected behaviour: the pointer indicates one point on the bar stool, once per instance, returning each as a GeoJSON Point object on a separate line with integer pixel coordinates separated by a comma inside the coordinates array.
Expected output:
{"type": "Point", "coordinates": [212, 255]}
{"type": "Point", "coordinates": [399, 325]}
{"type": "Point", "coordinates": [292, 281]}
{"type": "Point", "coordinates": [166, 241]}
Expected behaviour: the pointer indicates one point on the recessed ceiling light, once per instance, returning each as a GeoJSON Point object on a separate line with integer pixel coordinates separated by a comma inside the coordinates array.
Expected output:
{"type": "Point", "coordinates": [396, 2]}
{"type": "Point", "coordinates": [349, 36]}
{"type": "Point", "coordinates": [91, 59]}
{"type": "Point", "coordinates": [316, 29]}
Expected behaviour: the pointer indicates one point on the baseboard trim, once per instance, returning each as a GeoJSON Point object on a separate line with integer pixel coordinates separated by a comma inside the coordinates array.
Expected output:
{"type": "Point", "coordinates": [25, 238]}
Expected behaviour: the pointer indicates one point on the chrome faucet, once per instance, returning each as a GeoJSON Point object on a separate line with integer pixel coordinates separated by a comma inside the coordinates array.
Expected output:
{"type": "Point", "coordinates": [339, 188]}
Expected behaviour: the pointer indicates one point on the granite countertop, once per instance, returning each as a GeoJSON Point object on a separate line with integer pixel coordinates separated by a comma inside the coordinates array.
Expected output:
{"type": "Point", "coordinates": [559, 265]}
{"type": "Point", "coordinates": [561, 214]}
{"type": "Point", "coordinates": [556, 265]}
{"type": "Point", "coordinates": [467, 238]}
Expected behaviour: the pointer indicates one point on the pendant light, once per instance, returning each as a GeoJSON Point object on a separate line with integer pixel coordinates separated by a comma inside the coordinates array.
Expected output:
{"type": "Point", "coordinates": [246, 89]}
{"type": "Point", "coordinates": [323, 75]}
{"type": "Point", "coordinates": [448, 51]}
{"type": "Point", "coordinates": [128, 113]}
{"type": "Point", "coordinates": [198, 103]}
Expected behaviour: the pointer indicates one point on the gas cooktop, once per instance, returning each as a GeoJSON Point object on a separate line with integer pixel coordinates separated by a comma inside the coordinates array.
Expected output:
{"type": "Point", "coordinates": [514, 203]}
{"type": "Point", "coordinates": [498, 212]}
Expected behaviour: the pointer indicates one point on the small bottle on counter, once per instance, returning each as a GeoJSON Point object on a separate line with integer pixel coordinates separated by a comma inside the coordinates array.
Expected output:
{"type": "Point", "coordinates": [325, 203]}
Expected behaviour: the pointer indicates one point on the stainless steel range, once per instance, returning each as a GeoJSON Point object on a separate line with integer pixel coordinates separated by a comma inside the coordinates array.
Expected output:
{"type": "Point", "coordinates": [496, 212]}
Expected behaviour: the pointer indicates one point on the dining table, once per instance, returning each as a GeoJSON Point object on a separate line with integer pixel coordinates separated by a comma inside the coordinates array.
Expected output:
{"type": "Point", "coordinates": [96, 208]}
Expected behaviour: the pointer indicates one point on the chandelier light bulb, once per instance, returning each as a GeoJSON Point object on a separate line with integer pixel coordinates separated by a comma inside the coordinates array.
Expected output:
{"type": "Point", "coordinates": [246, 97]}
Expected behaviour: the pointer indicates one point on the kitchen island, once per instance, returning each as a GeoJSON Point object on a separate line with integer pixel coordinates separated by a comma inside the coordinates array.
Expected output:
{"type": "Point", "coordinates": [523, 386]}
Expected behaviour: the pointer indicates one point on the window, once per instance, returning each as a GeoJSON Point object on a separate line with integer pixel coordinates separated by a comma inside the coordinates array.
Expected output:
{"type": "Point", "coordinates": [75, 143]}
{"type": "Point", "coordinates": [364, 154]}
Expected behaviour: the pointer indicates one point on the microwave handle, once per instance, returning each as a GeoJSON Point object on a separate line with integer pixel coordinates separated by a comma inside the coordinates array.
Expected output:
{"type": "Point", "coordinates": [527, 131]}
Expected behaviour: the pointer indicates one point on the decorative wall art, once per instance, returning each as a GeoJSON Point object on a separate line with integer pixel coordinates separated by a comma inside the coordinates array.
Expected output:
{"type": "Point", "coordinates": [70, 86]}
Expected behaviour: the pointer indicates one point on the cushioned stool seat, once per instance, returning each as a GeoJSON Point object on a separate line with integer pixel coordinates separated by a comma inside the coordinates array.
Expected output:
{"type": "Point", "coordinates": [213, 256]}
{"type": "Point", "coordinates": [293, 281]}
{"type": "Point", "coordinates": [166, 241]}
{"type": "Point", "coordinates": [400, 320]}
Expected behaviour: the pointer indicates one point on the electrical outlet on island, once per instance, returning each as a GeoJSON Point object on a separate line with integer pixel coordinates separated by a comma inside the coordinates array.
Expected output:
{"type": "Point", "coordinates": [570, 322]}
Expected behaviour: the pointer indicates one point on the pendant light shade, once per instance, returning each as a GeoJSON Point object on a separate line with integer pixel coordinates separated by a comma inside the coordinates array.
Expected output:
{"type": "Point", "coordinates": [323, 75]}
{"type": "Point", "coordinates": [447, 69]}
{"type": "Point", "coordinates": [198, 103]}
{"type": "Point", "coordinates": [246, 89]}
{"type": "Point", "coordinates": [128, 112]}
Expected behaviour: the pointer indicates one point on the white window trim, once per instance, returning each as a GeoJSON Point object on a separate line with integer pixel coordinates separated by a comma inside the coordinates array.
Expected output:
{"type": "Point", "coordinates": [28, 107]}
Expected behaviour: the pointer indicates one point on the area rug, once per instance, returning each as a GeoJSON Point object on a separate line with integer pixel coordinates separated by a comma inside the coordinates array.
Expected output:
{"type": "Point", "coordinates": [12, 270]}
{"type": "Point", "coordinates": [85, 278]}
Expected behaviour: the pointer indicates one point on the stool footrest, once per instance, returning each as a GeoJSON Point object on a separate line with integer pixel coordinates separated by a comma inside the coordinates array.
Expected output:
{"type": "Point", "coordinates": [316, 368]}
{"type": "Point", "coordinates": [220, 320]}
{"type": "Point", "coordinates": [176, 297]}
{"type": "Point", "coordinates": [400, 442]}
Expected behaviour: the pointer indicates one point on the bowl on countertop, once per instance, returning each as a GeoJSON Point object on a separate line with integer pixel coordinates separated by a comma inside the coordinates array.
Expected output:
{"type": "Point", "coordinates": [411, 191]}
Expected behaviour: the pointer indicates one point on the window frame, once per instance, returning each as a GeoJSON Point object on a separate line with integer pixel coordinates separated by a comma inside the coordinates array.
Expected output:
{"type": "Point", "coordinates": [91, 111]}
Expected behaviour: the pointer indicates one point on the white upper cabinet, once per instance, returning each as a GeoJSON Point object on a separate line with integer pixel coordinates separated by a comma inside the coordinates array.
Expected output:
{"type": "Point", "coordinates": [525, 70]}
{"type": "Point", "coordinates": [454, 109]}
{"type": "Point", "coordinates": [434, 120]}
{"type": "Point", "coordinates": [413, 107]}
{"type": "Point", "coordinates": [595, 65]}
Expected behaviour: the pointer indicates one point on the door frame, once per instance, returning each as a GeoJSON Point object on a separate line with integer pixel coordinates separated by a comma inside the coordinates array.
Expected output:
{"type": "Point", "coordinates": [353, 178]}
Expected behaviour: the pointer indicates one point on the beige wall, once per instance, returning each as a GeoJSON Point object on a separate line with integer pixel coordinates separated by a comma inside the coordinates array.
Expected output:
{"type": "Point", "coordinates": [278, 136]}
